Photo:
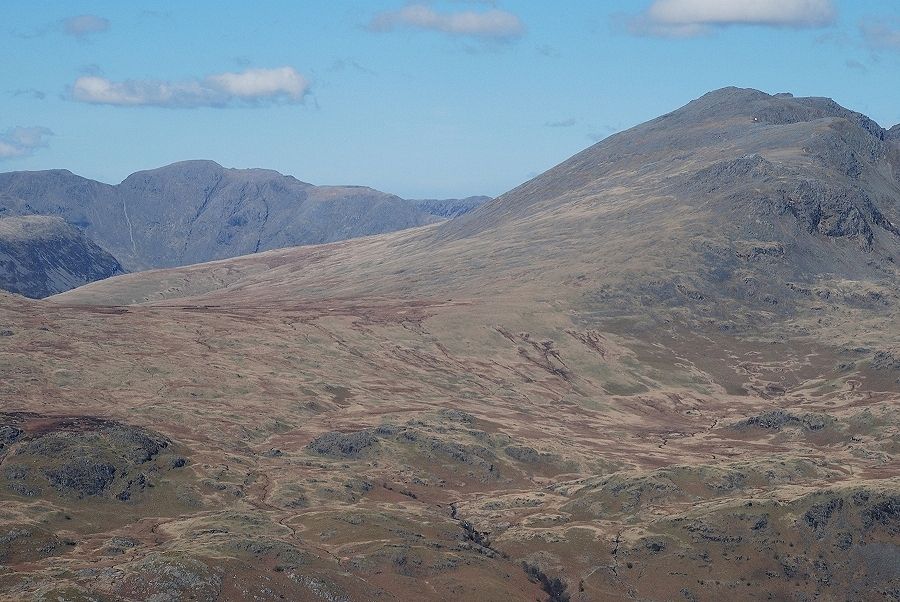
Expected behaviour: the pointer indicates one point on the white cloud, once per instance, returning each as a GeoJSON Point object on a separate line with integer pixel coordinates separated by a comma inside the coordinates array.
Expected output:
{"type": "Point", "coordinates": [684, 18]}
{"type": "Point", "coordinates": [490, 24]}
{"type": "Point", "coordinates": [85, 25]}
{"type": "Point", "coordinates": [881, 34]}
{"type": "Point", "coordinates": [252, 86]}
{"type": "Point", "coordinates": [22, 141]}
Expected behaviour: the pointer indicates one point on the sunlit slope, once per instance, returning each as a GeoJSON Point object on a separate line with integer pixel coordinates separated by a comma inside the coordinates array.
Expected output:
{"type": "Point", "coordinates": [667, 368]}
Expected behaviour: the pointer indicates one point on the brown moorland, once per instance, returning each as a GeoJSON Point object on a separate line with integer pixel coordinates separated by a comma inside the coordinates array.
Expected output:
{"type": "Point", "coordinates": [667, 368]}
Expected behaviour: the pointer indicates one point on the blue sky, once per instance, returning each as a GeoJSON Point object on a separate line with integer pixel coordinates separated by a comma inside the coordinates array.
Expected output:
{"type": "Point", "coordinates": [437, 99]}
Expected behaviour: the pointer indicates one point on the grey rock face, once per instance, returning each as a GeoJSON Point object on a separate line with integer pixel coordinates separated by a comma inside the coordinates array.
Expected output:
{"type": "Point", "coordinates": [450, 208]}
{"type": "Point", "coordinates": [82, 476]}
{"type": "Point", "coordinates": [198, 211]}
{"type": "Point", "coordinates": [834, 212]}
{"type": "Point", "coordinates": [343, 445]}
{"type": "Point", "coordinates": [882, 360]}
{"type": "Point", "coordinates": [42, 256]}
{"type": "Point", "coordinates": [778, 419]}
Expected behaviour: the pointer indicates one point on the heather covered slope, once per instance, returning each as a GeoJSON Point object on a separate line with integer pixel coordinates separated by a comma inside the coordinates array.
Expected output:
{"type": "Point", "coordinates": [736, 209]}
{"type": "Point", "coordinates": [646, 374]}
{"type": "Point", "coordinates": [736, 195]}
{"type": "Point", "coordinates": [41, 256]}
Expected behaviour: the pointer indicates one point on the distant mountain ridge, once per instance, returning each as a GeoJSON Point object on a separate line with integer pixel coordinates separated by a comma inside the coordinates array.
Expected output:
{"type": "Point", "coordinates": [450, 208]}
{"type": "Point", "coordinates": [707, 306]}
{"type": "Point", "coordinates": [197, 211]}
{"type": "Point", "coordinates": [732, 209]}
{"type": "Point", "coordinates": [665, 369]}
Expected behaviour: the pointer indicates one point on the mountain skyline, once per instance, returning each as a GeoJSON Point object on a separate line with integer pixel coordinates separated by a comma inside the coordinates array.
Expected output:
{"type": "Point", "coordinates": [183, 213]}
{"type": "Point", "coordinates": [425, 99]}
{"type": "Point", "coordinates": [666, 368]}
{"type": "Point", "coordinates": [448, 300]}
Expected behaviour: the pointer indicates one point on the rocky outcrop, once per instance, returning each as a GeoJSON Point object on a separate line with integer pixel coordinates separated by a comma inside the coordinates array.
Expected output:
{"type": "Point", "coordinates": [342, 445]}
{"type": "Point", "coordinates": [450, 208]}
{"type": "Point", "coordinates": [893, 133]}
{"type": "Point", "coordinates": [778, 419]}
{"type": "Point", "coordinates": [81, 457]}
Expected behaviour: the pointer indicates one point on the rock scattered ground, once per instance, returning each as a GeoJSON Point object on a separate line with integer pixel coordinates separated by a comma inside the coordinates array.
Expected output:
{"type": "Point", "coordinates": [620, 381]}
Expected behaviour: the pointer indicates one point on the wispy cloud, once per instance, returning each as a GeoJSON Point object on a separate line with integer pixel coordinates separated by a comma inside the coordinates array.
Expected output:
{"type": "Point", "coordinates": [32, 93]}
{"type": "Point", "coordinates": [881, 34]}
{"type": "Point", "coordinates": [282, 85]}
{"type": "Point", "coordinates": [340, 65]}
{"type": "Point", "coordinates": [23, 141]}
{"type": "Point", "coordinates": [91, 69]}
{"type": "Point", "coordinates": [687, 18]}
{"type": "Point", "coordinates": [562, 123]}
{"type": "Point", "coordinates": [82, 26]}
{"type": "Point", "coordinates": [856, 65]}
{"type": "Point", "coordinates": [493, 24]}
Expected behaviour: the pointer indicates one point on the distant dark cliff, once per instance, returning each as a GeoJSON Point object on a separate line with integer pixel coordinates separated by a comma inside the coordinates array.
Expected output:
{"type": "Point", "coordinates": [42, 256]}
